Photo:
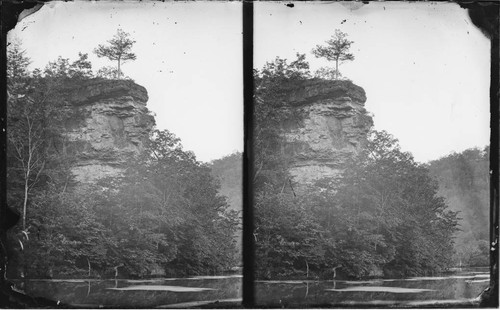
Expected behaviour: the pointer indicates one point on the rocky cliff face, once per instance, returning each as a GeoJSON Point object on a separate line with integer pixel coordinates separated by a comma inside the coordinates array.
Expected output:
{"type": "Point", "coordinates": [331, 129]}
{"type": "Point", "coordinates": [112, 124]}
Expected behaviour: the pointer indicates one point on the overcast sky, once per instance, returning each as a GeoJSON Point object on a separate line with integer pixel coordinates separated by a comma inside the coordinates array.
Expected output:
{"type": "Point", "coordinates": [189, 58]}
{"type": "Point", "coordinates": [424, 66]}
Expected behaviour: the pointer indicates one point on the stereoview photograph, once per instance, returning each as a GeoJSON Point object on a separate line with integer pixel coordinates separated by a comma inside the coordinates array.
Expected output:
{"type": "Point", "coordinates": [125, 137]}
{"type": "Point", "coordinates": [371, 181]}
{"type": "Point", "coordinates": [370, 155]}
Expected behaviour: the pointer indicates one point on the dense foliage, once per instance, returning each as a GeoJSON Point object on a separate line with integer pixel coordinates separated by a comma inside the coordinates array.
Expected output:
{"type": "Point", "coordinates": [389, 206]}
{"type": "Point", "coordinates": [464, 182]}
{"type": "Point", "coordinates": [229, 171]}
{"type": "Point", "coordinates": [382, 217]}
{"type": "Point", "coordinates": [162, 216]}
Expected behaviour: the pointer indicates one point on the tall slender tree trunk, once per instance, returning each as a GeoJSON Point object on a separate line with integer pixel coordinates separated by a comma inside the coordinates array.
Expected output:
{"type": "Point", "coordinates": [119, 73]}
{"type": "Point", "coordinates": [27, 172]}
{"type": "Point", "coordinates": [25, 203]}
{"type": "Point", "coordinates": [337, 69]}
{"type": "Point", "coordinates": [88, 262]}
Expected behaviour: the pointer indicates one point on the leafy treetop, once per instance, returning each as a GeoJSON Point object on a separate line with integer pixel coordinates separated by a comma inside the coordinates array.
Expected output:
{"type": "Point", "coordinates": [337, 49]}
{"type": "Point", "coordinates": [119, 49]}
{"type": "Point", "coordinates": [17, 62]}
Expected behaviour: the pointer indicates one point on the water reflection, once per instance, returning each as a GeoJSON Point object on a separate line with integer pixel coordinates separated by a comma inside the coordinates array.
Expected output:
{"type": "Point", "coordinates": [196, 291]}
{"type": "Point", "coordinates": [413, 291]}
{"type": "Point", "coordinates": [389, 289]}
{"type": "Point", "coordinates": [136, 293]}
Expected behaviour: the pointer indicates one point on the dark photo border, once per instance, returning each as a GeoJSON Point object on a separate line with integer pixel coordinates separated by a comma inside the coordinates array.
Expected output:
{"type": "Point", "coordinates": [484, 15]}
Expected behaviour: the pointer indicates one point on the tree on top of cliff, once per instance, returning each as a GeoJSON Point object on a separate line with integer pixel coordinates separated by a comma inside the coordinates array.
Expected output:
{"type": "Point", "coordinates": [281, 69]}
{"type": "Point", "coordinates": [63, 69]}
{"type": "Point", "coordinates": [337, 49]}
{"type": "Point", "coordinates": [119, 49]}
{"type": "Point", "coordinates": [274, 81]}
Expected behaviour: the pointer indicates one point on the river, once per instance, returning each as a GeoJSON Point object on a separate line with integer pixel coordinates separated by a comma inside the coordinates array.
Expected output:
{"type": "Point", "coordinates": [462, 286]}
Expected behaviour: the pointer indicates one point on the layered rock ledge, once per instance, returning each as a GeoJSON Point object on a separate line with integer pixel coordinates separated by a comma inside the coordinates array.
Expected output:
{"type": "Point", "coordinates": [113, 124]}
{"type": "Point", "coordinates": [333, 127]}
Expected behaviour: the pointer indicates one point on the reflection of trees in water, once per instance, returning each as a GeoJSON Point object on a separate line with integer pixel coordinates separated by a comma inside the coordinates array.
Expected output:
{"type": "Point", "coordinates": [459, 286]}
{"type": "Point", "coordinates": [94, 292]}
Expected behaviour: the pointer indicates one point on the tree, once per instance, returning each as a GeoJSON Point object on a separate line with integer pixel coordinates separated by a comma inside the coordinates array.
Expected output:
{"type": "Point", "coordinates": [36, 115]}
{"type": "Point", "coordinates": [274, 82]}
{"type": "Point", "coordinates": [165, 212]}
{"type": "Point", "coordinates": [107, 72]}
{"type": "Point", "coordinates": [63, 69]}
{"type": "Point", "coordinates": [81, 68]}
{"type": "Point", "coordinates": [17, 63]}
{"type": "Point", "coordinates": [288, 238]}
{"type": "Point", "coordinates": [65, 231]}
{"type": "Point", "coordinates": [205, 227]}
{"type": "Point", "coordinates": [337, 49]}
{"type": "Point", "coordinates": [391, 205]}
{"type": "Point", "coordinates": [38, 169]}
{"type": "Point", "coordinates": [229, 171]}
{"type": "Point", "coordinates": [26, 123]}
{"type": "Point", "coordinates": [17, 82]}
{"type": "Point", "coordinates": [119, 49]}
{"type": "Point", "coordinates": [327, 73]}
{"type": "Point", "coordinates": [464, 182]}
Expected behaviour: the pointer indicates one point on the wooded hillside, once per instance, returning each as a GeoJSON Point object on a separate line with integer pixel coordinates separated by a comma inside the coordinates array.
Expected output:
{"type": "Point", "coordinates": [464, 181]}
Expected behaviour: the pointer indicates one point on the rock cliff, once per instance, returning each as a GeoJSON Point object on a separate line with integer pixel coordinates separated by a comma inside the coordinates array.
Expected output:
{"type": "Point", "coordinates": [112, 124]}
{"type": "Point", "coordinates": [332, 127]}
